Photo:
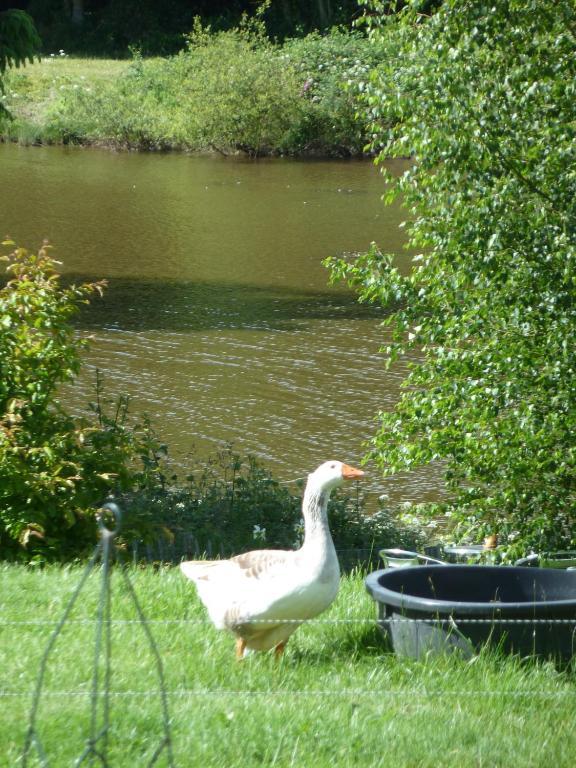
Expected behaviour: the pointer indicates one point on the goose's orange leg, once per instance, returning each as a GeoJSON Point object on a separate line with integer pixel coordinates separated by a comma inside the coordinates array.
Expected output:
{"type": "Point", "coordinates": [240, 648]}
{"type": "Point", "coordinates": [279, 649]}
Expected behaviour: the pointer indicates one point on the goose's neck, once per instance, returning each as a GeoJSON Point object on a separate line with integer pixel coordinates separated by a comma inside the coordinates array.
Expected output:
{"type": "Point", "coordinates": [315, 511]}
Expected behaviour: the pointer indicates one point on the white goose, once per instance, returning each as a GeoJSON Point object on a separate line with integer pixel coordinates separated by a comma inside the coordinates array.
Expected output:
{"type": "Point", "coordinates": [280, 588]}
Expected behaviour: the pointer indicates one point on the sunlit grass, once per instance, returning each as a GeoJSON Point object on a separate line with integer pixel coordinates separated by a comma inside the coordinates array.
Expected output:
{"type": "Point", "coordinates": [31, 89]}
{"type": "Point", "coordinates": [337, 698]}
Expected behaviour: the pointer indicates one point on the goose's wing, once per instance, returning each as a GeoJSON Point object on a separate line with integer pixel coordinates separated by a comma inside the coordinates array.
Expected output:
{"type": "Point", "coordinates": [264, 563]}
{"type": "Point", "coordinates": [243, 587]}
{"type": "Point", "coordinates": [259, 564]}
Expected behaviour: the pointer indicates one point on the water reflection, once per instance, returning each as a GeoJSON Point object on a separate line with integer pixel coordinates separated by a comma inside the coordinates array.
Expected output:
{"type": "Point", "coordinates": [140, 305]}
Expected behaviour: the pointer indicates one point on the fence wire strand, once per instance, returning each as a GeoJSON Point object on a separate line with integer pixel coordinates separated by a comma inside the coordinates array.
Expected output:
{"type": "Point", "coordinates": [312, 622]}
{"type": "Point", "coordinates": [100, 694]}
{"type": "Point", "coordinates": [350, 692]}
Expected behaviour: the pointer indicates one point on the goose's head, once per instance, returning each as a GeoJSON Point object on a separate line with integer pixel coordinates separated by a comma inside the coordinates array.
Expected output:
{"type": "Point", "coordinates": [331, 474]}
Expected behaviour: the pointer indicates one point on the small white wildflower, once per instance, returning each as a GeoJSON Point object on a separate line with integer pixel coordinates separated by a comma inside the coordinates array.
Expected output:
{"type": "Point", "coordinates": [259, 533]}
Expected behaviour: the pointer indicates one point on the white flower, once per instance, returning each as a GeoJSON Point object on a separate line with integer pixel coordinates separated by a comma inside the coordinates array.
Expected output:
{"type": "Point", "coordinates": [259, 533]}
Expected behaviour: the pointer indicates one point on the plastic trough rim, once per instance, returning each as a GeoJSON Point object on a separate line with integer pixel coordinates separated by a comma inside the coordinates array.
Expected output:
{"type": "Point", "coordinates": [405, 601]}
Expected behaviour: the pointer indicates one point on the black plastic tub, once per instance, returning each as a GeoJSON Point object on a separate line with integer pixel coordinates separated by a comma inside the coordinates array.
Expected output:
{"type": "Point", "coordinates": [439, 608]}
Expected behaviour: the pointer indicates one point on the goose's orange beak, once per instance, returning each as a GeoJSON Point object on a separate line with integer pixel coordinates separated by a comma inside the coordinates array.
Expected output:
{"type": "Point", "coordinates": [351, 473]}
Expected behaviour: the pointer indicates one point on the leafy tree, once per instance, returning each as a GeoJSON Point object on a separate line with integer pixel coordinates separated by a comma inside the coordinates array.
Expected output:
{"type": "Point", "coordinates": [19, 42]}
{"type": "Point", "coordinates": [481, 96]}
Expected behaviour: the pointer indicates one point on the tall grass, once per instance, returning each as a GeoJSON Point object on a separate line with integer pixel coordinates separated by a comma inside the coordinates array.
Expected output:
{"type": "Point", "coordinates": [337, 698]}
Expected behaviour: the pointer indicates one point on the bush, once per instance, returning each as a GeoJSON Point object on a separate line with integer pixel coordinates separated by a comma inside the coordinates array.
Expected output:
{"type": "Point", "coordinates": [55, 469]}
{"type": "Point", "coordinates": [228, 91]}
{"type": "Point", "coordinates": [232, 504]}
{"type": "Point", "coordinates": [333, 69]}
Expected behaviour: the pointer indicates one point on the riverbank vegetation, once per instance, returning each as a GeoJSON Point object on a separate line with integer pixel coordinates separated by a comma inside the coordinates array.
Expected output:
{"type": "Point", "coordinates": [56, 469]}
{"type": "Point", "coordinates": [482, 98]}
{"type": "Point", "coordinates": [490, 195]}
{"type": "Point", "coordinates": [337, 698]}
{"type": "Point", "coordinates": [227, 91]}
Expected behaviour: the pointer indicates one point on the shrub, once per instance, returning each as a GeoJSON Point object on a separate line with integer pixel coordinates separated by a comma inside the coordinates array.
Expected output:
{"type": "Point", "coordinates": [231, 504]}
{"type": "Point", "coordinates": [226, 91]}
{"type": "Point", "coordinates": [229, 91]}
{"type": "Point", "coordinates": [333, 69]}
{"type": "Point", "coordinates": [55, 469]}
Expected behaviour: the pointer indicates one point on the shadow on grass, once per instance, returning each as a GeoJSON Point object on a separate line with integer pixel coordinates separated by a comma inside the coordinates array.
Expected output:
{"type": "Point", "coordinates": [347, 646]}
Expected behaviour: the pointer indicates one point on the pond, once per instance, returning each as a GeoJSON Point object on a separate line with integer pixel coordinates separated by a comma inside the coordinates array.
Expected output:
{"type": "Point", "coordinates": [218, 320]}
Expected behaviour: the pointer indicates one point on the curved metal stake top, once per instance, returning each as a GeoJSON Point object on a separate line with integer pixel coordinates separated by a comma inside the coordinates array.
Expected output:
{"type": "Point", "coordinates": [96, 747]}
{"type": "Point", "coordinates": [114, 509]}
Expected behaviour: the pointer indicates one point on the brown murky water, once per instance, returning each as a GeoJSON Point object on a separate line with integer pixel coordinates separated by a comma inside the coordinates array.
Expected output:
{"type": "Point", "coordinates": [218, 320]}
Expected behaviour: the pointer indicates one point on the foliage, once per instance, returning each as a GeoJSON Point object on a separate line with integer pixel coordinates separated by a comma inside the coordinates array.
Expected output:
{"type": "Point", "coordinates": [231, 504]}
{"type": "Point", "coordinates": [246, 97]}
{"type": "Point", "coordinates": [227, 91]}
{"type": "Point", "coordinates": [333, 68]}
{"type": "Point", "coordinates": [19, 43]}
{"type": "Point", "coordinates": [54, 469]}
{"type": "Point", "coordinates": [482, 98]}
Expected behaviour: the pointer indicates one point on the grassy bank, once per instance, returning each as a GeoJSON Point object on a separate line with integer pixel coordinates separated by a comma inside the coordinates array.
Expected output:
{"type": "Point", "coordinates": [336, 699]}
{"type": "Point", "coordinates": [33, 91]}
{"type": "Point", "coordinates": [233, 91]}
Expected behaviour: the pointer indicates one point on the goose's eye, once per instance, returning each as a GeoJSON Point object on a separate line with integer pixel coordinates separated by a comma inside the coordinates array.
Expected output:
{"type": "Point", "coordinates": [332, 466]}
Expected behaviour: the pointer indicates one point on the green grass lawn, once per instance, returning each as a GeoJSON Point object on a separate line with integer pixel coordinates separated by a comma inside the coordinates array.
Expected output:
{"type": "Point", "coordinates": [31, 89]}
{"type": "Point", "coordinates": [337, 698]}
